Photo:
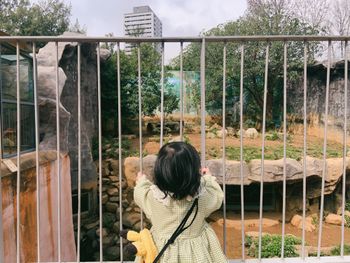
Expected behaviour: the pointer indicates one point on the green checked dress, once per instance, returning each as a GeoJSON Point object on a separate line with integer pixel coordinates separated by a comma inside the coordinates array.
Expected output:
{"type": "Point", "coordinates": [198, 243]}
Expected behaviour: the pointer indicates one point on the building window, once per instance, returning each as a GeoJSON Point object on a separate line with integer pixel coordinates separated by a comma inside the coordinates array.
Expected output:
{"type": "Point", "coordinates": [8, 98]}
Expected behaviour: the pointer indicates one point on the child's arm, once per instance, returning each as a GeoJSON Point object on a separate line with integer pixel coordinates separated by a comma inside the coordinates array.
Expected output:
{"type": "Point", "coordinates": [141, 193]}
{"type": "Point", "coordinates": [213, 193]}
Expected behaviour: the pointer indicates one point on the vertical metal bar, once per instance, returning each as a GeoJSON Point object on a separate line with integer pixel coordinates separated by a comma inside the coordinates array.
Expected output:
{"type": "Point", "coordinates": [324, 151]}
{"type": "Point", "coordinates": [345, 148]}
{"type": "Point", "coordinates": [162, 99]}
{"type": "Point", "coordinates": [99, 148]}
{"type": "Point", "coordinates": [224, 141]}
{"type": "Point", "coordinates": [181, 91]}
{"type": "Point", "coordinates": [120, 152]}
{"type": "Point", "coordinates": [304, 152]}
{"type": "Point", "coordinates": [58, 157]}
{"type": "Point", "coordinates": [36, 109]}
{"type": "Point", "coordinates": [1, 222]}
{"type": "Point", "coordinates": [263, 148]}
{"type": "Point", "coordinates": [203, 103]}
{"type": "Point", "coordinates": [140, 114]}
{"type": "Point", "coordinates": [79, 153]}
{"type": "Point", "coordinates": [18, 249]}
{"type": "Point", "coordinates": [241, 149]}
{"type": "Point", "coordinates": [1, 153]}
{"type": "Point", "coordinates": [284, 144]}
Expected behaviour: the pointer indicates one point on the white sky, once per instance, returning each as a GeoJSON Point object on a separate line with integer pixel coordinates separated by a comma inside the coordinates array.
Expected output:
{"type": "Point", "coordinates": [179, 17]}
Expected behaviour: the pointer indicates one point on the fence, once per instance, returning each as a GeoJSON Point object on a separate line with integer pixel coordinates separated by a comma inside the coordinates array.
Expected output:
{"type": "Point", "coordinates": [203, 41]}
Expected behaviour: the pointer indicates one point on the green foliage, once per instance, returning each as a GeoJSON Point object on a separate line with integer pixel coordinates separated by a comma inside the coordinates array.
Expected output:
{"type": "Point", "coordinates": [347, 221]}
{"type": "Point", "coordinates": [47, 17]}
{"type": "Point", "coordinates": [275, 152]}
{"type": "Point", "coordinates": [272, 136]}
{"type": "Point", "coordinates": [248, 241]}
{"type": "Point", "coordinates": [347, 205]}
{"type": "Point", "coordinates": [271, 246]}
{"type": "Point", "coordinates": [336, 250]}
{"type": "Point", "coordinates": [264, 19]}
{"type": "Point", "coordinates": [150, 85]}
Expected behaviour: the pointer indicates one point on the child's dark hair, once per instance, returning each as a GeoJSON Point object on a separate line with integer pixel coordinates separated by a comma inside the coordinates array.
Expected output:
{"type": "Point", "coordinates": [177, 170]}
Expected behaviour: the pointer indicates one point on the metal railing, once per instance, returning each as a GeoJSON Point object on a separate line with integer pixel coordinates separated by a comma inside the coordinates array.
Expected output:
{"type": "Point", "coordinates": [181, 40]}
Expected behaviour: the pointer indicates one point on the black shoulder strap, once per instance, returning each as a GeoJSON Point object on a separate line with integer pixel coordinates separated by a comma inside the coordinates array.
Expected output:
{"type": "Point", "coordinates": [179, 229]}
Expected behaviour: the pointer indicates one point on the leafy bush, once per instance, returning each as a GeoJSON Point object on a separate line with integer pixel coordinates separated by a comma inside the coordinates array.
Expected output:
{"type": "Point", "coordinates": [272, 136]}
{"type": "Point", "coordinates": [347, 221]}
{"type": "Point", "coordinates": [336, 251]}
{"type": "Point", "coordinates": [347, 206]}
{"type": "Point", "coordinates": [271, 246]}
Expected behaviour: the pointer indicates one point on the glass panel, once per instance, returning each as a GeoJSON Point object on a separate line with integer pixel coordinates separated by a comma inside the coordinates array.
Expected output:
{"type": "Point", "coordinates": [8, 76]}
{"type": "Point", "coordinates": [27, 127]}
{"type": "Point", "coordinates": [9, 118]}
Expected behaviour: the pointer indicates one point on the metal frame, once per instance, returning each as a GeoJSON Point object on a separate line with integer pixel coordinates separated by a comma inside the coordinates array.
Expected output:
{"type": "Point", "coordinates": [14, 102]}
{"type": "Point", "coordinates": [181, 40]}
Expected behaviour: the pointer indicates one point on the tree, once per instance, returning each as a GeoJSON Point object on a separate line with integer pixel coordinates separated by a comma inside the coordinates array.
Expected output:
{"type": "Point", "coordinates": [312, 12]}
{"type": "Point", "coordinates": [150, 85]}
{"type": "Point", "coordinates": [263, 17]}
{"type": "Point", "coordinates": [340, 22]}
{"type": "Point", "coordinates": [47, 17]}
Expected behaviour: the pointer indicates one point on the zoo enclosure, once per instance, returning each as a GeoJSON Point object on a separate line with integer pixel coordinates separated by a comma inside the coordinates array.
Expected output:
{"type": "Point", "coordinates": [181, 40]}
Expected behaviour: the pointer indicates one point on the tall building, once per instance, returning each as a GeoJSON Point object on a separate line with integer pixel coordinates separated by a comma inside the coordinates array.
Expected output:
{"type": "Point", "coordinates": [142, 22]}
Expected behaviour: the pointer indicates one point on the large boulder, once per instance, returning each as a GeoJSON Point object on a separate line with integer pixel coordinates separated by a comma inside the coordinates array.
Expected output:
{"type": "Point", "coordinates": [334, 219]}
{"type": "Point", "coordinates": [251, 133]}
{"type": "Point", "coordinates": [132, 167]}
{"type": "Point", "coordinates": [233, 171]}
{"type": "Point", "coordinates": [273, 170]}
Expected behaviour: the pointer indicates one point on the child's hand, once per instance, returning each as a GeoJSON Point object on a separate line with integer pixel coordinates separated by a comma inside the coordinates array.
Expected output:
{"type": "Point", "coordinates": [139, 176]}
{"type": "Point", "coordinates": [205, 170]}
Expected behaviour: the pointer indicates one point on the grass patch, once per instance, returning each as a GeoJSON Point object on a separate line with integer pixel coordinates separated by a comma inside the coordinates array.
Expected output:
{"type": "Point", "coordinates": [276, 152]}
{"type": "Point", "coordinates": [271, 246]}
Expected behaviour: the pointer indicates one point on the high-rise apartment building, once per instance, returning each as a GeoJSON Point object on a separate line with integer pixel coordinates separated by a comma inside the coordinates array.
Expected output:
{"type": "Point", "coordinates": [142, 22]}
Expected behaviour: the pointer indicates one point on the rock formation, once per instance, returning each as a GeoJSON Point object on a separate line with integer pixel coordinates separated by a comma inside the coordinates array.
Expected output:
{"type": "Point", "coordinates": [68, 81]}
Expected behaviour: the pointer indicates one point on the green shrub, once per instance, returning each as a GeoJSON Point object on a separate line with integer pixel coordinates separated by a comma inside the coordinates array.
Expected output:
{"type": "Point", "coordinates": [336, 250]}
{"type": "Point", "coordinates": [272, 136]}
{"type": "Point", "coordinates": [347, 205]}
{"type": "Point", "coordinates": [271, 246]}
{"type": "Point", "coordinates": [248, 241]}
{"type": "Point", "coordinates": [347, 221]}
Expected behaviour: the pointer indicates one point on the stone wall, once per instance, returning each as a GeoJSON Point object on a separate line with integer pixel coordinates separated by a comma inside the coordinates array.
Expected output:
{"type": "Point", "coordinates": [131, 213]}
{"type": "Point", "coordinates": [316, 94]}
{"type": "Point", "coordinates": [48, 209]}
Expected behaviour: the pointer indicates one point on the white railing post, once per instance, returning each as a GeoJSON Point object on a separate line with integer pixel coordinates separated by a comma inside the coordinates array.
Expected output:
{"type": "Point", "coordinates": [324, 168]}
{"type": "Point", "coordinates": [241, 102]}
{"type": "Point", "coordinates": [202, 68]}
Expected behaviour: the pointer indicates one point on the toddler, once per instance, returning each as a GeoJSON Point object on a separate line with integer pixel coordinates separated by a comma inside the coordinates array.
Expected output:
{"type": "Point", "coordinates": [177, 184]}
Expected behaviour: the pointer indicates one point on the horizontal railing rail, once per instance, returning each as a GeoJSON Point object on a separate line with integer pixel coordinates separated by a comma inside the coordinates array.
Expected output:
{"type": "Point", "coordinates": [175, 39]}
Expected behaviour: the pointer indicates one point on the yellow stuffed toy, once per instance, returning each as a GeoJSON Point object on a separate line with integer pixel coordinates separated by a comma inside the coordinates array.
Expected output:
{"type": "Point", "coordinates": [142, 244]}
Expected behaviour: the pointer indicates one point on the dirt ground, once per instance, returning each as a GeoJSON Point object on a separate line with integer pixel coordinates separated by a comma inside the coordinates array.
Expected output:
{"type": "Point", "coordinates": [331, 234]}
{"type": "Point", "coordinates": [152, 147]}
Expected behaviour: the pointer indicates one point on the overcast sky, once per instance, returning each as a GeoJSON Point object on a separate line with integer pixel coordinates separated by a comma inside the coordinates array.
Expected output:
{"type": "Point", "coordinates": [179, 17]}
